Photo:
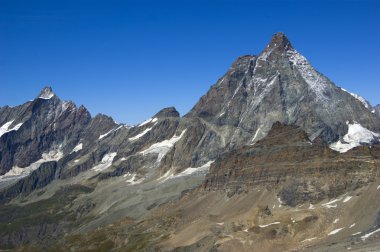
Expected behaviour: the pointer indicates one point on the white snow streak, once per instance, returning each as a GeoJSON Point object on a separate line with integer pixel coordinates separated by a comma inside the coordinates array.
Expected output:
{"type": "Point", "coordinates": [109, 132]}
{"type": "Point", "coordinates": [359, 98]}
{"type": "Point", "coordinates": [150, 120]}
{"type": "Point", "coordinates": [347, 199]}
{"type": "Point", "coordinates": [335, 231]}
{"type": "Point", "coordinates": [330, 204]}
{"type": "Point", "coordinates": [132, 179]}
{"type": "Point", "coordinates": [364, 237]}
{"type": "Point", "coordinates": [310, 239]}
{"type": "Point", "coordinates": [256, 133]}
{"type": "Point", "coordinates": [77, 148]}
{"type": "Point", "coordinates": [140, 135]}
{"type": "Point", "coordinates": [189, 171]}
{"type": "Point", "coordinates": [270, 224]}
{"type": "Point", "coordinates": [355, 136]}
{"type": "Point", "coordinates": [352, 225]}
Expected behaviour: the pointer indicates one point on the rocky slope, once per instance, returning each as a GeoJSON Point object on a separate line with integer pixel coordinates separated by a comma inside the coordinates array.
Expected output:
{"type": "Point", "coordinates": [280, 85]}
{"type": "Point", "coordinates": [64, 171]}
{"type": "Point", "coordinates": [302, 171]}
{"type": "Point", "coordinates": [376, 109]}
{"type": "Point", "coordinates": [305, 196]}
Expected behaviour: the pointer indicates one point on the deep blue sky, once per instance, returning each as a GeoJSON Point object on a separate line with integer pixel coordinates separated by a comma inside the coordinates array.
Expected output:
{"type": "Point", "coordinates": [129, 59]}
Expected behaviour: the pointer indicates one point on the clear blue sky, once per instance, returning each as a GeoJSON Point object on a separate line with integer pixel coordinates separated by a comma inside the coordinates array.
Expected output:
{"type": "Point", "coordinates": [129, 59]}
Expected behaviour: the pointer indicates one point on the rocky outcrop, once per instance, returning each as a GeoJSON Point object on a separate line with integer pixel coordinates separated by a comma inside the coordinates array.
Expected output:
{"type": "Point", "coordinates": [299, 170]}
{"type": "Point", "coordinates": [37, 179]}
{"type": "Point", "coordinates": [376, 109]}
{"type": "Point", "coordinates": [167, 112]}
{"type": "Point", "coordinates": [45, 123]}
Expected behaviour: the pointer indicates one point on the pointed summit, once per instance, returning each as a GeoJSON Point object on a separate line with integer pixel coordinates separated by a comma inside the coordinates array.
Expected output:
{"type": "Point", "coordinates": [46, 93]}
{"type": "Point", "coordinates": [280, 41]}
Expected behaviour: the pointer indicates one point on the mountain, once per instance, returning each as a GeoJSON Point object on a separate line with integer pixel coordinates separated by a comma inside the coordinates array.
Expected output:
{"type": "Point", "coordinates": [268, 119]}
{"type": "Point", "coordinates": [280, 85]}
{"type": "Point", "coordinates": [376, 109]}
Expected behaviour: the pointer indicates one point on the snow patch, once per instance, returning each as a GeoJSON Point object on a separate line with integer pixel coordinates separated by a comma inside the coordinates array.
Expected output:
{"type": "Point", "coordinates": [331, 204]}
{"type": "Point", "coordinates": [256, 133]}
{"type": "Point", "coordinates": [18, 172]}
{"type": "Point", "coordinates": [356, 233]}
{"type": "Point", "coordinates": [139, 135]}
{"type": "Point", "coordinates": [132, 179]}
{"type": "Point", "coordinates": [105, 163]}
{"type": "Point", "coordinates": [109, 132]}
{"type": "Point", "coordinates": [46, 94]}
{"type": "Point", "coordinates": [189, 171]}
{"type": "Point", "coordinates": [310, 239]}
{"type": "Point", "coordinates": [347, 199]}
{"type": "Point", "coordinates": [311, 206]}
{"type": "Point", "coordinates": [161, 148]}
{"type": "Point", "coordinates": [355, 136]}
{"type": "Point", "coordinates": [335, 231]}
{"type": "Point", "coordinates": [77, 148]}
{"type": "Point", "coordinates": [359, 98]}
{"type": "Point", "coordinates": [352, 225]}
{"type": "Point", "coordinates": [335, 221]}
{"type": "Point", "coordinates": [364, 237]}
{"type": "Point", "coordinates": [150, 120]}
{"type": "Point", "coordinates": [6, 127]}
{"type": "Point", "coordinates": [270, 224]}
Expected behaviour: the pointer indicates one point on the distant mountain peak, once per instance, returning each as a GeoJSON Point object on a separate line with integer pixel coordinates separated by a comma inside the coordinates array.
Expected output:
{"type": "Point", "coordinates": [46, 93]}
{"type": "Point", "coordinates": [280, 41]}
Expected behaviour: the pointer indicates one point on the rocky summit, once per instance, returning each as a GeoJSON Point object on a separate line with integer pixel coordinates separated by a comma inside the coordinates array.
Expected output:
{"type": "Point", "coordinates": [274, 157]}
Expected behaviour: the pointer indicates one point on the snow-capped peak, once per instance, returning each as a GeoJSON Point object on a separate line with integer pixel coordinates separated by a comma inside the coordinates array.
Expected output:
{"type": "Point", "coordinates": [46, 93]}
{"type": "Point", "coordinates": [358, 97]}
{"type": "Point", "coordinates": [315, 80]}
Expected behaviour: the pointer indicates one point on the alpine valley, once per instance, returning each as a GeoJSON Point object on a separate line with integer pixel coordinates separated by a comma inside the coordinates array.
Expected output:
{"type": "Point", "coordinates": [274, 157]}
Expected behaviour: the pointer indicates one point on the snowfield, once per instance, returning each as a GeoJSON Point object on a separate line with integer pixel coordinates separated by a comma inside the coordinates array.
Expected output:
{"type": "Point", "coordinates": [163, 147]}
{"type": "Point", "coordinates": [6, 127]}
{"type": "Point", "coordinates": [355, 136]}
{"type": "Point", "coordinates": [105, 163]}
{"type": "Point", "coordinates": [20, 172]}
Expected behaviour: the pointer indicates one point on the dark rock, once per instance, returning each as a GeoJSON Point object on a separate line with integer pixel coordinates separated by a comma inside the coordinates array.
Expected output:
{"type": "Point", "coordinates": [167, 112]}
{"type": "Point", "coordinates": [37, 179]}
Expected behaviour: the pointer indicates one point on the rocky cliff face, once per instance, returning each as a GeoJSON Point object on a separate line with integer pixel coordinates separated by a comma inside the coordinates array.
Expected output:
{"type": "Point", "coordinates": [280, 85]}
{"type": "Point", "coordinates": [300, 170]}
{"type": "Point", "coordinates": [376, 109]}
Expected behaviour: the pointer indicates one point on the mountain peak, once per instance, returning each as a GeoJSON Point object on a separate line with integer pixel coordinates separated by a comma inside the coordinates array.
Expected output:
{"type": "Point", "coordinates": [167, 112]}
{"type": "Point", "coordinates": [280, 41]}
{"type": "Point", "coordinates": [46, 93]}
